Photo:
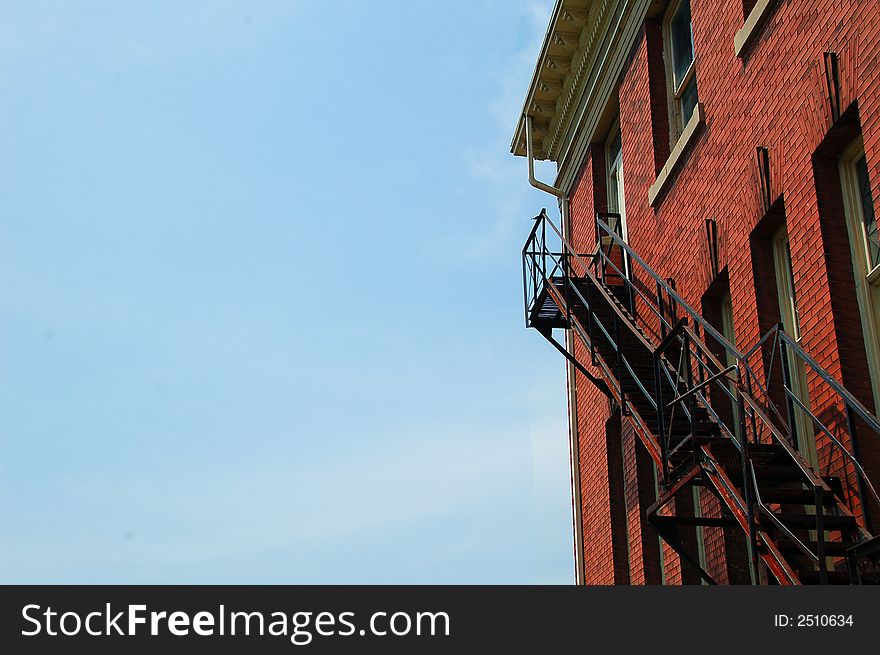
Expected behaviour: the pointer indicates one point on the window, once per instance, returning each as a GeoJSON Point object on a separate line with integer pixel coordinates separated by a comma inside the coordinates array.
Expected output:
{"type": "Point", "coordinates": [701, 533]}
{"type": "Point", "coordinates": [717, 307]}
{"type": "Point", "coordinates": [861, 224]}
{"type": "Point", "coordinates": [727, 330]}
{"type": "Point", "coordinates": [614, 174]}
{"type": "Point", "coordinates": [614, 189]}
{"type": "Point", "coordinates": [681, 73]}
{"type": "Point", "coordinates": [868, 220]}
{"type": "Point", "coordinates": [685, 111]}
{"type": "Point", "coordinates": [788, 308]}
{"type": "Point", "coordinates": [795, 375]}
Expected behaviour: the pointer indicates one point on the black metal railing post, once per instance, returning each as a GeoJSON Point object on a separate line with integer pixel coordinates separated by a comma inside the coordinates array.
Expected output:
{"type": "Point", "coordinates": [689, 383]}
{"type": "Point", "coordinates": [544, 248]}
{"type": "Point", "coordinates": [526, 302]}
{"type": "Point", "coordinates": [661, 418]}
{"type": "Point", "coordinates": [755, 397]}
{"type": "Point", "coordinates": [749, 480]}
{"type": "Point", "coordinates": [661, 311]}
{"type": "Point", "coordinates": [860, 488]}
{"type": "Point", "coordinates": [618, 349]}
{"type": "Point", "coordinates": [590, 323]}
{"type": "Point", "coordinates": [787, 388]}
{"type": "Point", "coordinates": [820, 534]}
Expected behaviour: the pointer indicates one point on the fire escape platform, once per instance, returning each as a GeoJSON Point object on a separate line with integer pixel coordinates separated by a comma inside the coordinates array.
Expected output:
{"type": "Point", "coordinates": [545, 313]}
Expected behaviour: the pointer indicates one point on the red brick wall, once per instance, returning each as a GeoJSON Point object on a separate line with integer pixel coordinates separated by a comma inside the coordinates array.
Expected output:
{"type": "Point", "coordinates": [643, 542]}
{"type": "Point", "coordinates": [773, 97]}
{"type": "Point", "coordinates": [602, 479]}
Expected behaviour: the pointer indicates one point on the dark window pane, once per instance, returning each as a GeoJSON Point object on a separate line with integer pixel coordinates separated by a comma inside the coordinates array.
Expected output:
{"type": "Point", "coordinates": [613, 192]}
{"type": "Point", "coordinates": [613, 148]}
{"type": "Point", "coordinates": [682, 42]}
{"type": "Point", "coordinates": [868, 211]}
{"type": "Point", "coordinates": [688, 101]}
{"type": "Point", "coordinates": [614, 166]}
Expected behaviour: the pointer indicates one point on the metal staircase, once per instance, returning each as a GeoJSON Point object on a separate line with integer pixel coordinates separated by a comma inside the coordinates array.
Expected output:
{"type": "Point", "coordinates": [710, 415]}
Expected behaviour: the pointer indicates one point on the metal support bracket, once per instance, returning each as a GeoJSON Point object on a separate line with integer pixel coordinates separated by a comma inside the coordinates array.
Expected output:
{"type": "Point", "coordinates": [597, 382]}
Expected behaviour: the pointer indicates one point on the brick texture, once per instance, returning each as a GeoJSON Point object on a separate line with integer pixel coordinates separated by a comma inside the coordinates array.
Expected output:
{"type": "Point", "coordinates": [774, 97]}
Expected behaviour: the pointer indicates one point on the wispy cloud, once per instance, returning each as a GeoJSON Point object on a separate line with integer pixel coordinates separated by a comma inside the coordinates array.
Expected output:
{"type": "Point", "coordinates": [202, 385]}
{"type": "Point", "coordinates": [518, 65]}
{"type": "Point", "coordinates": [502, 176]}
{"type": "Point", "coordinates": [235, 511]}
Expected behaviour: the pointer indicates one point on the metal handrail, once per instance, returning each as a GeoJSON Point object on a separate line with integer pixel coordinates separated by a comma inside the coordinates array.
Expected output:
{"type": "Point", "coordinates": [570, 260]}
{"type": "Point", "coordinates": [754, 414]}
{"type": "Point", "coordinates": [742, 358]}
{"type": "Point", "coordinates": [777, 333]}
{"type": "Point", "coordinates": [672, 293]}
{"type": "Point", "coordinates": [555, 257]}
{"type": "Point", "coordinates": [847, 397]}
{"type": "Point", "coordinates": [779, 524]}
{"type": "Point", "coordinates": [571, 257]}
{"type": "Point", "coordinates": [853, 460]}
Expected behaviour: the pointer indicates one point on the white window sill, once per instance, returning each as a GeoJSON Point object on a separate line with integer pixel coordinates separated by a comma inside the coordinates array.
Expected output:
{"type": "Point", "coordinates": [665, 175]}
{"type": "Point", "coordinates": [753, 23]}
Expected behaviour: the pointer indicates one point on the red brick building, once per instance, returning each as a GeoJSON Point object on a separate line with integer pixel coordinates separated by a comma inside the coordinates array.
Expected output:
{"type": "Point", "coordinates": [715, 285]}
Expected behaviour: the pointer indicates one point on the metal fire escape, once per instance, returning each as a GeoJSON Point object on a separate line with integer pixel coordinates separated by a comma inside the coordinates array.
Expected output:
{"type": "Point", "coordinates": [706, 415]}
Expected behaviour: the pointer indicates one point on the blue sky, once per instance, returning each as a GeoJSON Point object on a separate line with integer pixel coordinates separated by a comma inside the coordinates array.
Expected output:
{"type": "Point", "coordinates": [260, 305]}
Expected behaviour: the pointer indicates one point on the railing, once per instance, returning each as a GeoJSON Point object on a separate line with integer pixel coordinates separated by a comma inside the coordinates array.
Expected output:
{"type": "Point", "coordinates": [792, 372]}
{"type": "Point", "coordinates": [758, 419]}
{"type": "Point", "coordinates": [817, 558]}
{"type": "Point", "coordinates": [695, 367]}
{"type": "Point", "coordinates": [549, 266]}
{"type": "Point", "coordinates": [687, 369]}
{"type": "Point", "coordinates": [540, 264]}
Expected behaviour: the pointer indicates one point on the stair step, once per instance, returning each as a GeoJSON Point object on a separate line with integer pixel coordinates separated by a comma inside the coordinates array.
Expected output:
{"type": "Point", "coordinates": [834, 577]}
{"type": "Point", "coordinates": [801, 520]}
{"type": "Point", "coordinates": [795, 497]}
{"type": "Point", "coordinates": [767, 474]}
{"type": "Point", "coordinates": [763, 457]}
{"type": "Point", "coordinates": [832, 548]}
{"type": "Point", "coordinates": [869, 549]}
{"type": "Point", "coordinates": [767, 449]}
{"type": "Point", "coordinates": [773, 465]}
{"type": "Point", "coordinates": [780, 480]}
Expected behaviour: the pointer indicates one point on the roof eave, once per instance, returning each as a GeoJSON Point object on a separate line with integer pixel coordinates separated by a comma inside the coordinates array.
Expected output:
{"type": "Point", "coordinates": [561, 43]}
{"type": "Point", "coordinates": [518, 142]}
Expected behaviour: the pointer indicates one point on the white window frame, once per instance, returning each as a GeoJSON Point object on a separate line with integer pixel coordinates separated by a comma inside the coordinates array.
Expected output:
{"type": "Point", "coordinates": [866, 277]}
{"type": "Point", "coordinates": [621, 210]}
{"type": "Point", "coordinates": [676, 120]}
{"type": "Point", "coordinates": [789, 314]}
{"type": "Point", "coordinates": [609, 166]}
{"type": "Point", "coordinates": [752, 26]}
{"type": "Point", "coordinates": [786, 291]}
{"type": "Point", "coordinates": [728, 332]}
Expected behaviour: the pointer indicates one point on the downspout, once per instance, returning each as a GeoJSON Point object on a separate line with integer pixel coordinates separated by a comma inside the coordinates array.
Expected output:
{"type": "Point", "coordinates": [574, 437]}
{"type": "Point", "coordinates": [552, 190]}
{"type": "Point", "coordinates": [571, 377]}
